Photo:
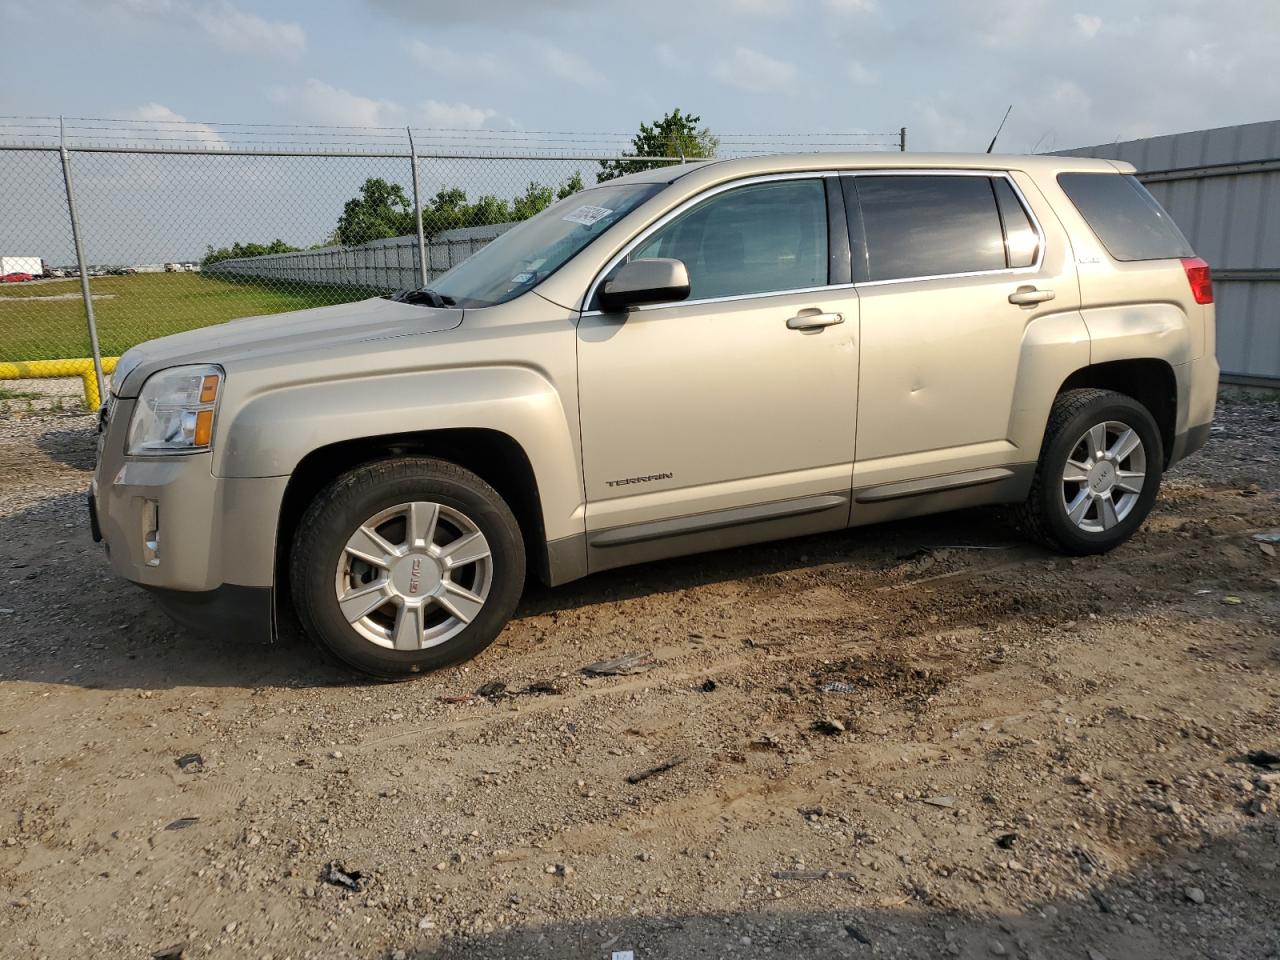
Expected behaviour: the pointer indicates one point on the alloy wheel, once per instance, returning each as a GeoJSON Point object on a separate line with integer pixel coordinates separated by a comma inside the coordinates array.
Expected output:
{"type": "Point", "coordinates": [414, 575]}
{"type": "Point", "coordinates": [1104, 476]}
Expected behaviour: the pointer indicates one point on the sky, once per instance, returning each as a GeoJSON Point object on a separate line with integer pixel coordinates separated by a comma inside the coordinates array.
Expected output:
{"type": "Point", "coordinates": [1077, 72]}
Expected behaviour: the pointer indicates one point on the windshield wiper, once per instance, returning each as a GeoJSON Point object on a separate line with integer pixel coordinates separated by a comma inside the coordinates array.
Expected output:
{"type": "Point", "coordinates": [424, 295]}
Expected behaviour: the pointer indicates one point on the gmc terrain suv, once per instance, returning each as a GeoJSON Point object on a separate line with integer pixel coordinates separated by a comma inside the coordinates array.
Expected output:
{"type": "Point", "coordinates": [680, 360]}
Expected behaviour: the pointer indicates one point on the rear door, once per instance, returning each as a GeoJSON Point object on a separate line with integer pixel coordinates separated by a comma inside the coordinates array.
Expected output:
{"type": "Point", "coordinates": [953, 267]}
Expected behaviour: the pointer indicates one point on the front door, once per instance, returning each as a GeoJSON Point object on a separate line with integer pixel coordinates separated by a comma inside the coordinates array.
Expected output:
{"type": "Point", "coordinates": [735, 408]}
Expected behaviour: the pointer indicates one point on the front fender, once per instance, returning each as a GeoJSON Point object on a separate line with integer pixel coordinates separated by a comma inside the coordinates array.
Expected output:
{"type": "Point", "coordinates": [269, 433]}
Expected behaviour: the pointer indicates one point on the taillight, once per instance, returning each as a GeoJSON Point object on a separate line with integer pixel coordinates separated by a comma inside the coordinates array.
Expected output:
{"type": "Point", "coordinates": [1200, 277]}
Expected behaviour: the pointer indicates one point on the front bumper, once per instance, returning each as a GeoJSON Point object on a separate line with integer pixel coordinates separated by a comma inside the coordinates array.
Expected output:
{"type": "Point", "coordinates": [205, 545]}
{"type": "Point", "coordinates": [245, 613]}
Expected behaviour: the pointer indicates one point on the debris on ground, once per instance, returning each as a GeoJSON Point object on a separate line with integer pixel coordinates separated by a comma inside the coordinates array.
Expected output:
{"type": "Point", "coordinates": [492, 690]}
{"type": "Point", "coordinates": [337, 874]}
{"type": "Point", "coordinates": [1266, 759]}
{"type": "Point", "coordinates": [945, 802]}
{"type": "Point", "coordinates": [708, 685]}
{"type": "Point", "coordinates": [543, 686]}
{"type": "Point", "coordinates": [189, 760]}
{"type": "Point", "coordinates": [1006, 841]}
{"type": "Point", "coordinates": [857, 934]}
{"type": "Point", "coordinates": [622, 666]}
{"type": "Point", "coordinates": [828, 726]}
{"type": "Point", "coordinates": [175, 951]}
{"type": "Point", "coordinates": [654, 771]}
{"type": "Point", "coordinates": [182, 823]}
{"type": "Point", "coordinates": [838, 686]}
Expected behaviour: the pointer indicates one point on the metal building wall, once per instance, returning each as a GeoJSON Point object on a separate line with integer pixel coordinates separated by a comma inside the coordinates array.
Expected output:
{"type": "Point", "coordinates": [1223, 188]}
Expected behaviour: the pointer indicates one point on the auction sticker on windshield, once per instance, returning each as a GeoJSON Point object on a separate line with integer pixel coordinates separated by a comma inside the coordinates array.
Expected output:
{"type": "Point", "coordinates": [587, 214]}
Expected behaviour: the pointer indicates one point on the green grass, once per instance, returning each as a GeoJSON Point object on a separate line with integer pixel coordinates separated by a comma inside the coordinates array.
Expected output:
{"type": "Point", "coordinates": [8, 394]}
{"type": "Point", "coordinates": [140, 307]}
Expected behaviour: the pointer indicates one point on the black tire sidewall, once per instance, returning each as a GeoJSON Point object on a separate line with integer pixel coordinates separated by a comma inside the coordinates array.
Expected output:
{"type": "Point", "coordinates": [1114, 407]}
{"type": "Point", "coordinates": [324, 534]}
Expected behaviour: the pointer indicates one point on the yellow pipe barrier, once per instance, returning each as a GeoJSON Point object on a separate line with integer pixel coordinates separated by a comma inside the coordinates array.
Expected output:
{"type": "Point", "coordinates": [52, 369]}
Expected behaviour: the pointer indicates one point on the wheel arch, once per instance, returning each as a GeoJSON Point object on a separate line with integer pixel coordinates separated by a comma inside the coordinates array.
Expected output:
{"type": "Point", "coordinates": [1148, 380]}
{"type": "Point", "coordinates": [494, 456]}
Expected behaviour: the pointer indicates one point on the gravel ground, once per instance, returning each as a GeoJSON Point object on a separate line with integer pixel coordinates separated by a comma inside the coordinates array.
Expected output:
{"type": "Point", "coordinates": [925, 739]}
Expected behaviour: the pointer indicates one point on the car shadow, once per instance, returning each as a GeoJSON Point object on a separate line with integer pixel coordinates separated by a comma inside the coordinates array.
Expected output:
{"type": "Point", "coordinates": [73, 622]}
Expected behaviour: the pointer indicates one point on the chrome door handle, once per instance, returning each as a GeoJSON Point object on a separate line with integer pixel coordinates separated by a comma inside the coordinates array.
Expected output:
{"type": "Point", "coordinates": [814, 321]}
{"type": "Point", "coordinates": [1028, 296]}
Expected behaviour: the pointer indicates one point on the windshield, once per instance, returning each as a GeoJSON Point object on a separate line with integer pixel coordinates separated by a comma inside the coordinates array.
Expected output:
{"type": "Point", "coordinates": [531, 251]}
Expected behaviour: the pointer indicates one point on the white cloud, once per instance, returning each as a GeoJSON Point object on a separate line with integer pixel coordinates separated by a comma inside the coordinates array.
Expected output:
{"type": "Point", "coordinates": [448, 61]}
{"type": "Point", "coordinates": [571, 67]}
{"type": "Point", "coordinates": [318, 101]}
{"type": "Point", "coordinates": [760, 8]}
{"type": "Point", "coordinates": [172, 124]}
{"type": "Point", "coordinates": [1087, 23]}
{"type": "Point", "coordinates": [852, 6]}
{"type": "Point", "coordinates": [222, 22]}
{"type": "Point", "coordinates": [452, 116]}
{"type": "Point", "coordinates": [860, 73]}
{"type": "Point", "coordinates": [754, 71]}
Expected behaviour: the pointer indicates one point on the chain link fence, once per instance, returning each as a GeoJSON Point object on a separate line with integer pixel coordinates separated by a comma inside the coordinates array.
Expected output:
{"type": "Point", "coordinates": [196, 225]}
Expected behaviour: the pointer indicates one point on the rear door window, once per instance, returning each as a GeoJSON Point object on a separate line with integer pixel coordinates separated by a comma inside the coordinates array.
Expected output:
{"type": "Point", "coordinates": [930, 226]}
{"type": "Point", "coordinates": [1021, 241]}
{"type": "Point", "coordinates": [1129, 221]}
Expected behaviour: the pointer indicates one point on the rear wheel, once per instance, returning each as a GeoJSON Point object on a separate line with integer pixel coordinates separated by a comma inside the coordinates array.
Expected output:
{"type": "Point", "coordinates": [405, 566]}
{"type": "Point", "coordinates": [1099, 472]}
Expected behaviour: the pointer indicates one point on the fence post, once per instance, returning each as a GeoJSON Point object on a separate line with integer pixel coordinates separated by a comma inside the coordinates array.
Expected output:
{"type": "Point", "coordinates": [92, 397]}
{"type": "Point", "coordinates": [417, 210]}
{"type": "Point", "coordinates": [902, 140]}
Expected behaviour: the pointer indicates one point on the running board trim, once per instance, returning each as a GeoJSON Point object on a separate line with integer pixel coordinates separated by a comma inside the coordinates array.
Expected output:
{"type": "Point", "coordinates": [720, 519]}
{"type": "Point", "coordinates": [915, 488]}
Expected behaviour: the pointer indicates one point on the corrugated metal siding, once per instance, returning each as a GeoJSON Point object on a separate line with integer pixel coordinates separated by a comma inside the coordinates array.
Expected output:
{"type": "Point", "coordinates": [1232, 219]}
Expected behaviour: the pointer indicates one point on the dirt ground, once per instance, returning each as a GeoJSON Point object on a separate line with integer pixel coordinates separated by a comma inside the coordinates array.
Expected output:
{"type": "Point", "coordinates": [926, 739]}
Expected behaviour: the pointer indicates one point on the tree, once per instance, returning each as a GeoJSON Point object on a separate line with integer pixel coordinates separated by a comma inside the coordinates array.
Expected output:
{"type": "Point", "coordinates": [381, 210]}
{"type": "Point", "coordinates": [675, 135]}
{"type": "Point", "coordinates": [237, 250]}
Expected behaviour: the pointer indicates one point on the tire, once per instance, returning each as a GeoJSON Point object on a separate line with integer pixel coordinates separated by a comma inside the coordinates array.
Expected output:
{"type": "Point", "coordinates": [354, 549]}
{"type": "Point", "coordinates": [1047, 514]}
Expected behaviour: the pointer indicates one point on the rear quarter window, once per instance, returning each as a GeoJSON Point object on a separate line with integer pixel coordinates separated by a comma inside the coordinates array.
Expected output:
{"type": "Point", "coordinates": [1129, 221]}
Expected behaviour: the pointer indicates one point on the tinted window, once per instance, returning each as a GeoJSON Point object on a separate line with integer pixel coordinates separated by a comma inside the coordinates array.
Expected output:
{"type": "Point", "coordinates": [762, 238]}
{"type": "Point", "coordinates": [1020, 239]}
{"type": "Point", "coordinates": [930, 226]}
{"type": "Point", "coordinates": [1126, 218]}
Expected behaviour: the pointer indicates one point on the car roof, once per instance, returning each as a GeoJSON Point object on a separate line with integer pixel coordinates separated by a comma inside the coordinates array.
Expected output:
{"type": "Point", "coordinates": [881, 160]}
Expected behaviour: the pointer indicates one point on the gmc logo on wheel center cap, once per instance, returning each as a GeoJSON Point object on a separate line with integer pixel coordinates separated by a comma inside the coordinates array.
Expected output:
{"type": "Point", "coordinates": [415, 569]}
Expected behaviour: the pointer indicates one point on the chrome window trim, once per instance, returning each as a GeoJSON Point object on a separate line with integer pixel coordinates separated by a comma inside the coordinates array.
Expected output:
{"type": "Point", "coordinates": [817, 175]}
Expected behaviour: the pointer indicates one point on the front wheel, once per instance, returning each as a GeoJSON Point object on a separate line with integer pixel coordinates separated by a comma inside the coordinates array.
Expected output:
{"type": "Point", "coordinates": [404, 566]}
{"type": "Point", "coordinates": [1099, 472]}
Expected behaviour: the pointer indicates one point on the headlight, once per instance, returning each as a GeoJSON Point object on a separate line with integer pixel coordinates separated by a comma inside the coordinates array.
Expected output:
{"type": "Point", "coordinates": [174, 412]}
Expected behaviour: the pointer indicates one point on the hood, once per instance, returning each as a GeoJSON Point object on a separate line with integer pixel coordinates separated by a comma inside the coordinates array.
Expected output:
{"type": "Point", "coordinates": [280, 333]}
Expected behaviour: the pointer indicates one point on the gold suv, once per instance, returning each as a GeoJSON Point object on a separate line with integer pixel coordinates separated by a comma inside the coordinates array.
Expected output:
{"type": "Point", "coordinates": [684, 359]}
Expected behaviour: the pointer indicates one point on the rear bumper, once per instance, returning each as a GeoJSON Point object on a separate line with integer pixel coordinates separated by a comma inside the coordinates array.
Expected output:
{"type": "Point", "coordinates": [1188, 442]}
{"type": "Point", "coordinates": [229, 610]}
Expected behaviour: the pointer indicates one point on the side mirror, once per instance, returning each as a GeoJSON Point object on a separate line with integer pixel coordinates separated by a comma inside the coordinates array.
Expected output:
{"type": "Point", "coordinates": [641, 282]}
